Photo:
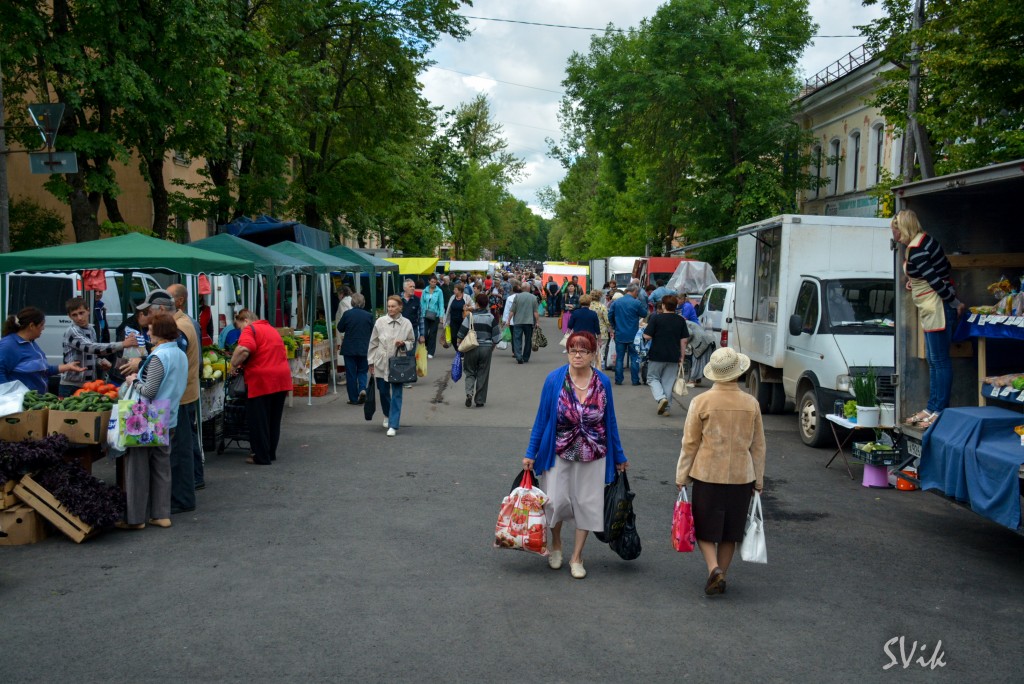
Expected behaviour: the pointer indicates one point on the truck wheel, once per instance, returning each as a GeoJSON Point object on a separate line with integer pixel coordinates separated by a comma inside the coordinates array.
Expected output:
{"type": "Point", "coordinates": [811, 421]}
{"type": "Point", "coordinates": [778, 403]}
{"type": "Point", "coordinates": [759, 390]}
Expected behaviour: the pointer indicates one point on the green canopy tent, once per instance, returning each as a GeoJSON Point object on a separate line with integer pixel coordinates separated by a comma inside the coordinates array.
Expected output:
{"type": "Point", "coordinates": [323, 265]}
{"type": "Point", "coordinates": [373, 266]}
{"type": "Point", "coordinates": [268, 263]}
{"type": "Point", "coordinates": [125, 253]}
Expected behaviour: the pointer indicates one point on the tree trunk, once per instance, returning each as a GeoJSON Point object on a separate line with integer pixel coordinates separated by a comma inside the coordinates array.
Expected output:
{"type": "Point", "coordinates": [158, 193]}
{"type": "Point", "coordinates": [220, 176]}
{"type": "Point", "coordinates": [84, 205]}
{"type": "Point", "coordinates": [112, 207]}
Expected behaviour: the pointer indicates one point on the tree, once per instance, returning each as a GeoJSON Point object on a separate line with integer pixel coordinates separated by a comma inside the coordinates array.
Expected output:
{"type": "Point", "coordinates": [34, 226]}
{"type": "Point", "coordinates": [682, 128]}
{"type": "Point", "coordinates": [971, 101]}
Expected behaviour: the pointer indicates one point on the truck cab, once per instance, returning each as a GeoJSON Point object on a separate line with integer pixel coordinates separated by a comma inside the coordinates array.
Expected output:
{"type": "Point", "coordinates": [841, 324]}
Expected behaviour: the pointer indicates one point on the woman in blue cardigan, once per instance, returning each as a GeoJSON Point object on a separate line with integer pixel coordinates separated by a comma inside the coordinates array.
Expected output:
{"type": "Point", "coordinates": [575, 447]}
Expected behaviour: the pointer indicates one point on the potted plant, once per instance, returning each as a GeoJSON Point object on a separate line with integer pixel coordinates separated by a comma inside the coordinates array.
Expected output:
{"type": "Point", "coordinates": [865, 392]}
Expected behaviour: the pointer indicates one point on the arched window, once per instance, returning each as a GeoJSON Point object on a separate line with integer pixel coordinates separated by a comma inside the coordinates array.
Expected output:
{"type": "Point", "coordinates": [833, 167]}
{"type": "Point", "coordinates": [816, 170]}
{"type": "Point", "coordinates": [853, 162]}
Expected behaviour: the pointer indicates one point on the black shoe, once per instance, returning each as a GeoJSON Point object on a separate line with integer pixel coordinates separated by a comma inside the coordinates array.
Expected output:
{"type": "Point", "coordinates": [469, 400]}
{"type": "Point", "coordinates": [637, 384]}
{"type": "Point", "coordinates": [362, 397]}
{"type": "Point", "coordinates": [175, 511]}
{"type": "Point", "coordinates": [519, 360]}
{"type": "Point", "coordinates": [479, 405]}
{"type": "Point", "coordinates": [353, 403]}
{"type": "Point", "coordinates": [201, 485]}
{"type": "Point", "coordinates": [617, 382]}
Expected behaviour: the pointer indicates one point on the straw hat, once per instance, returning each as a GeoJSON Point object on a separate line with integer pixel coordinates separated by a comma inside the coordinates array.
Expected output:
{"type": "Point", "coordinates": [726, 364]}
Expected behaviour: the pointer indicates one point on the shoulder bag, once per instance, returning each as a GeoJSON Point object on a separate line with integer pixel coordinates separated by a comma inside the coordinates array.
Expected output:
{"type": "Point", "coordinates": [469, 341]}
{"type": "Point", "coordinates": [402, 369]}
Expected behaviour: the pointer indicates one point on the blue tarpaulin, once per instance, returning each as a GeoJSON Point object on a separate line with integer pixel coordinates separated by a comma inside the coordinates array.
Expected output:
{"type": "Point", "coordinates": [266, 231]}
{"type": "Point", "coordinates": [973, 455]}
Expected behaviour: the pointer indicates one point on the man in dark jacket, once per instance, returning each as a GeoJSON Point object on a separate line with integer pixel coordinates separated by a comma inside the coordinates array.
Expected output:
{"type": "Point", "coordinates": [355, 326]}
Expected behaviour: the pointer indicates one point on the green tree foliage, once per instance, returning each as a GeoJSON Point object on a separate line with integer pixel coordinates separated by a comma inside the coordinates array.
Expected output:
{"type": "Point", "coordinates": [681, 128]}
{"type": "Point", "coordinates": [475, 170]}
{"type": "Point", "coordinates": [34, 226]}
{"type": "Point", "coordinates": [972, 77]}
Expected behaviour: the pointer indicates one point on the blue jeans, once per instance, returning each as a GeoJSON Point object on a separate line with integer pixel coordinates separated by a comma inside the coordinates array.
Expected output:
{"type": "Point", "coordinates": [621, 350]}
{"type": "Point", "coordinates": [940, 366]}
{"type": "Point", "coordinates": [355, 375]}
{"type": "Point", "coordinates": [390, 401]}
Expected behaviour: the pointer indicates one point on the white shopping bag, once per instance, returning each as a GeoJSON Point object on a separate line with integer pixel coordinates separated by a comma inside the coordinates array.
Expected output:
{"type": "Point", "coordinates": [753, 549]}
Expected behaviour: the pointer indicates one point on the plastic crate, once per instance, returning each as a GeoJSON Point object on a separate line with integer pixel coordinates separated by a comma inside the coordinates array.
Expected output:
{"type": "Point", "coordinates": [876, 457]}
{"type": "Point", "coordinates": [303, 390]}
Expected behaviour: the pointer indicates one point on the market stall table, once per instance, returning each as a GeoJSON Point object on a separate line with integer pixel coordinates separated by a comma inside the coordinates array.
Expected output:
{"type": "Point", "coordinates": [852, 428]}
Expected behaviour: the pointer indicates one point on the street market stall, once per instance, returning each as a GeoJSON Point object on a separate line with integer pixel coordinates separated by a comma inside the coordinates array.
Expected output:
{"type": "Point", "coordinates": [372, 266]}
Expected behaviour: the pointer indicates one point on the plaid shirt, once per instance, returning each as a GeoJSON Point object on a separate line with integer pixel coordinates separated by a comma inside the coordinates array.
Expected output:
{"type": "Point", "coordinates": [81, 347]}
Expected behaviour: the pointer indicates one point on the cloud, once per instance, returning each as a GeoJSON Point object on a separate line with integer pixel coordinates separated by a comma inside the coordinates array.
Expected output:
{"type": "Point", "coordinates": [518, 66]}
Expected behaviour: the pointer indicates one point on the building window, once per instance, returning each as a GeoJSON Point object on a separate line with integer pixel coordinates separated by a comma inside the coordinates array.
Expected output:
{"type": "Point", "coordinates": [877, 155]}
{"type": "Point", "coordinates": [181, 158]}
{"type": "Point", "coordinates": [853, 161]}
{"type": "Point", "coordinates": [833, 167]}
{"type": "Point", "coordinates": [896, 158]}
{"type": "Point", "coordinates": [816, 170]}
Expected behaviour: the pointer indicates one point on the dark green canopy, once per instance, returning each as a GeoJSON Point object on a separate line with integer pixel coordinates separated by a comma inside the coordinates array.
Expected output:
{"type": "Point", "coordinates": [322, 261]}
{"type": "Point", "coordinates": [266, 261]}
{"type": "Point", "coordinates": [133, 251]}
{"type": "Point", "coordinates": [374, 264]}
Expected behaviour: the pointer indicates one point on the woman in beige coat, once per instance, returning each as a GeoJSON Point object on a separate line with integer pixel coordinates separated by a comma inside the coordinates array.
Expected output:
{"type": "Point", "coordinates": [723, 457]}
{"type": "Point", "coordinates": [392, 335]}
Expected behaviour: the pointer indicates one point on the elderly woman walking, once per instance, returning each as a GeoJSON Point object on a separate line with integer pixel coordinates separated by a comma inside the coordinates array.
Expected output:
{"type": "Point", "coordinates": [477, 362]}
{"type": "Point", "coordinates": [392, 335]}
{"type": "Point", "coordinates": [575, 448]}
{"type": "Point", "coordinates": [147, 479]}
{"type": "Point", "coordinates": [723, 457]}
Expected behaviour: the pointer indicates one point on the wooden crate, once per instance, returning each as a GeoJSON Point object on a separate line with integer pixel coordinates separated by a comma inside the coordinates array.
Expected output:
{"type": "Point", "coordinates": [36, 496]}
{"type": "Point", "coordinates": [7, 497]}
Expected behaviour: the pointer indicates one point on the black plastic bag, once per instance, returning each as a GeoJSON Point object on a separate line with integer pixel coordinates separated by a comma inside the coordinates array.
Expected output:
{"type": "Point", "coordinates": [236, 386]}
{"type": "Point", "coordinates": [370, 405]}
{"type": "Point", "coordinates": [618, 504]}
{"type": "Point", "coordinates": [628, 543]}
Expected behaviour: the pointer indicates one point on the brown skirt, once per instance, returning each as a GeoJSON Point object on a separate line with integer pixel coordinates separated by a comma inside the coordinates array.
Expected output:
{"type": "Point", "coordinates": [720, 510]}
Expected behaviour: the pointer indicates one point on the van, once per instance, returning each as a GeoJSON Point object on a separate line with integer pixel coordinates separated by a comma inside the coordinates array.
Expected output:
{"type": "Point", "coordinates": [620, 269]}
{"type": "Point", "coordinates": [51, 291]}
{"type": "Point", "coordinates": [717, 313]}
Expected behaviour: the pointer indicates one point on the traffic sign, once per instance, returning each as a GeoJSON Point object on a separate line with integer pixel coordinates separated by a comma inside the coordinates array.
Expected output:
{"type": "Point", "coordinates": [47, 119]}
{"type": "Point", "coordinates": [53, 162]}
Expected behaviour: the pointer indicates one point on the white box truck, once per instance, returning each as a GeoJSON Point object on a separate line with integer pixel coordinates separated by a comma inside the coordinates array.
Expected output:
{"type": "Point", "coordinates": [620, 269]}
{"type": "Point", "coordinates": [814, 307]}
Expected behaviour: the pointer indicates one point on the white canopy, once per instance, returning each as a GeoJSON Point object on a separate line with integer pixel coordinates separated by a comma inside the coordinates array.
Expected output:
{"type": "Point", "coordinates": [470, 267]}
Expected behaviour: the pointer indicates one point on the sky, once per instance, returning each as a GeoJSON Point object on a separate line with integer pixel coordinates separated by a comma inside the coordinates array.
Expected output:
{"type": "Point", "coordinates": [520, 67]}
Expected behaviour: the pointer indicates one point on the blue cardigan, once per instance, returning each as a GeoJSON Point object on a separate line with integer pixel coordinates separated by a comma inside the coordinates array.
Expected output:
{"type": "Point", "coordinates": [542, 438]}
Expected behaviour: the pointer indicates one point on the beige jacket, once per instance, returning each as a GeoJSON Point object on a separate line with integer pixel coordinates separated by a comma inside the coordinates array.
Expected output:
{"type": "Point", "coordinates": [194, 354]}
{"type": "Point", "coordinates": [386, 331]}
{"type": "Point", "coordinates": [723, 440]}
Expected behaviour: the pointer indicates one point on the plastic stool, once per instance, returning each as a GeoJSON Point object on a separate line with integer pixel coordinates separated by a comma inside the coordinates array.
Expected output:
{"type": "Point", "coordinates": [875, 476]}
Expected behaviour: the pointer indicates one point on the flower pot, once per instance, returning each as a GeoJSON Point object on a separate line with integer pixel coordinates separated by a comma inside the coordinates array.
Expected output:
{"type": "Point", "coordinates": [868, 416]}
{"type": "Point", "coordinates": [887, 417]}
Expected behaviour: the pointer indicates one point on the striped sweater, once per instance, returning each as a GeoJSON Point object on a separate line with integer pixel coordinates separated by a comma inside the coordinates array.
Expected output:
{"type": "Point", "coordinates": [928, 262]}
{"type": "Point", "coordinates": [488, 332]}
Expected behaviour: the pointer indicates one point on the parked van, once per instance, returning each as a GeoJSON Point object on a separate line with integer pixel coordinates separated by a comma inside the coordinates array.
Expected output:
{"type": "Point", "coordinates": [717, 312]}
{"type": "Point", "coordinates": [620, 269]}
{"type": "Point", "coordinates": [51, 291]}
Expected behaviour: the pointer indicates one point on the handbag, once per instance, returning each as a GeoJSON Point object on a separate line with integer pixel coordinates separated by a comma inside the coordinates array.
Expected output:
{"type": "Point", "coordinates": [684, 537]}
{"type": "Point", "coordinates": [753, 549]}
{"type": "Point", "coordinates": [143, 422]}
{"type": "Point", "coordinates": [539, 338]}
{"type": "Point", "coordinates": [370, 404]}
{"type": "Point", "coordinates": [402, 370]}
{"type": "Point", "coordinates": [522, 525]}
{"type": "Point", "coordinates": [679, 386]}
{"type": "Point", "coordinates": [457, 367]}
{"type": "Point", "coordinates": [564, 341]}
{"type": "Point", "coordinates": [469, 342]}
{"type": "Point", "coordinates": [421, 361]}
{"type": "Point", "coordinates": [430, 315]}
{"type": "Point", "coordinates": [236, 386]}
{"type": "Point", "coordinates": [618, 504]}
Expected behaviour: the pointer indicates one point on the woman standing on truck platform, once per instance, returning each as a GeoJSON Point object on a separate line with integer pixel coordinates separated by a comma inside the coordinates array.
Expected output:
{"type": "Point", "coordinates": [928, 279]}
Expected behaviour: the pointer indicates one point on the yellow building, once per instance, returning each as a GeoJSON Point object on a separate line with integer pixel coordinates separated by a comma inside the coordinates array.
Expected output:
{"type": "Point", "coordinates": [853, 145]}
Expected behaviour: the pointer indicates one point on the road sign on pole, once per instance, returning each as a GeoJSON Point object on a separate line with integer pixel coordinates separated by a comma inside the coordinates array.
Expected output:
{"type": "Point", "coordinates": [53, 162]}
{"type": "Point", "coordinates": [47, 118]}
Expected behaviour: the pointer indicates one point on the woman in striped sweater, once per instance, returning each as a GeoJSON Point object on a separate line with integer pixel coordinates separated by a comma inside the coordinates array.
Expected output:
{"type": "Point", "coordinates": [928, 279]}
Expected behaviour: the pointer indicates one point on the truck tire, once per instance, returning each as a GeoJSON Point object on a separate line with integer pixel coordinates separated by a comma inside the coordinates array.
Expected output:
{"type": "Point", "coordinates": [811, 421]}
{"type": "Point", "coordinates": [778, 403]}
{"type": "Point", "coordinates": [759, 390]}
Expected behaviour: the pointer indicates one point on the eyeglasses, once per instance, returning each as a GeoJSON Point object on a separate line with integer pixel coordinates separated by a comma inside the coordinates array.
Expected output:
{"type": "Point", "coordinates": [579, 352]}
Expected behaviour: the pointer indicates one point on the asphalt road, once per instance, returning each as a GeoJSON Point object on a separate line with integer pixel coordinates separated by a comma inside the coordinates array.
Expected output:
{"type": "Point", "coordinates": [358, 557]}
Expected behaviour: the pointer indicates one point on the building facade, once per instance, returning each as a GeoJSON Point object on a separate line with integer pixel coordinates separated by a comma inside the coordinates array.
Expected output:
{"type": "Point", "coordinates": [853, 147]}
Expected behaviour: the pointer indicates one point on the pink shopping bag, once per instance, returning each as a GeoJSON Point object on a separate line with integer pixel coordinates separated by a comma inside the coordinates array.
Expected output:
{"type": "Point", "coordinates": [683, 537]}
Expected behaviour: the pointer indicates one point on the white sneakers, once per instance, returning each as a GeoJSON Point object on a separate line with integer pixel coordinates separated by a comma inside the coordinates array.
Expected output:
{"type": "Point", "coordinates": [430, 356]}
{"type": "Point", "coordinates": [385, 422]}
{"type": "Point", "coordinates": [392, 432]}
{"type": "Point", "coordinates": [577, 570]}
{"type": "Point", "coordinates": [555, 560]}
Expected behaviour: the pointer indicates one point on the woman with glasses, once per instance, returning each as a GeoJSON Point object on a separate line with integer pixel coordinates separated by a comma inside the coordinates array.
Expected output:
{"type": "Point", "coordinates": [575, 447]}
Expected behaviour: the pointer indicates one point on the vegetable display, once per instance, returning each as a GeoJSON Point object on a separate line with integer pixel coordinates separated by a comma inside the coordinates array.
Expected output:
{"type": "Point", "coordinates": [87, 401]}
{"type": "Point", "coordinates": [21, 458]}
{"type": "Point", "coordinates": [850, 409]}
{"type": "Point", "coordinates": [34, 401]}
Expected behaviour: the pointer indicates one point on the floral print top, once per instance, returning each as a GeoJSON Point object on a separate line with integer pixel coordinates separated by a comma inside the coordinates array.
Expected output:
{"type": "Point", "coordinates": [580, 428]}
